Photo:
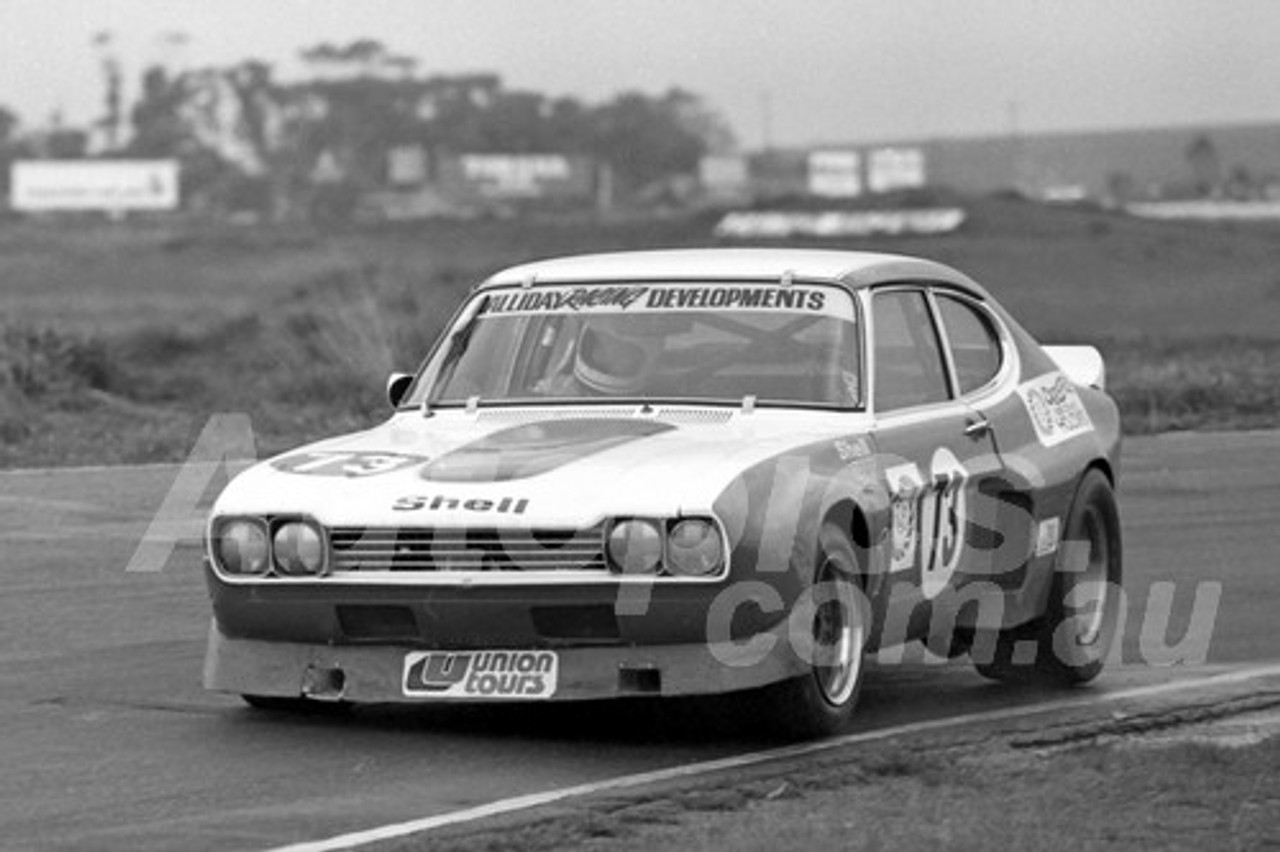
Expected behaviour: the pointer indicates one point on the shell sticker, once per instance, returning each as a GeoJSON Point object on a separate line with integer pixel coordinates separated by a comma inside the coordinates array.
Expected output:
{"type": "Point", "coordinates": [1055, 409]}
{"type": "Point", "coordinates": [853, 448]}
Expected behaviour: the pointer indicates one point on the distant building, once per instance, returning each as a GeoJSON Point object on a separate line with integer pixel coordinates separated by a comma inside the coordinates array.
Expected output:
{"type": "Point", "coordinates": [1235, 161]}
{"type": "Point", "coordinates": [422, 184]}
{"type": "Point", "coordinates": [829, 172]}
{"type": "Point", "coordinates": [1151, 163]}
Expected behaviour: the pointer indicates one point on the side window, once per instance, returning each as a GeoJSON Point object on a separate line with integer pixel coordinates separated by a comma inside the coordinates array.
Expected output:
{"type": "Point", "coordinates": [909, 369]}
{"type": "Point", "coordinates": [974, 342]}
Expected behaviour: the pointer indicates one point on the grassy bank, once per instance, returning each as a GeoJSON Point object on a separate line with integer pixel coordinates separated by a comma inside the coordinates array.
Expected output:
{"type": "Point", "coordinates": [1212, 383]}
{"type": "Point", "coordinates": [116, 345]}
{"type": "Point", "coordinates": [314, 365]}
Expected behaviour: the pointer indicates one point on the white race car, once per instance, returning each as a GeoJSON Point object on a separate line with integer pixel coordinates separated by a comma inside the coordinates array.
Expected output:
{"type": "Point", "coordinates": [681, 472]}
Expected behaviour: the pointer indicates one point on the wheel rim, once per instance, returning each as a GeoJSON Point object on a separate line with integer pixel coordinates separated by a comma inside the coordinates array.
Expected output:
{"type": "Point", "coordinates": [838, 638]}
{"type": "Point", "coordinates": [1093, 578]}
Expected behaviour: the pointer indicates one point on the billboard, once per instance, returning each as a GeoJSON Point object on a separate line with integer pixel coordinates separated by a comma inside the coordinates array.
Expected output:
{"type": "Point", "coordinates": [513, 176]}
{"type": "Point", "coordinates": [113, 185]}
{"type": "Point", "coordinates": [835, 174]}
{"type": "Point", "coordinates": [895, 168]}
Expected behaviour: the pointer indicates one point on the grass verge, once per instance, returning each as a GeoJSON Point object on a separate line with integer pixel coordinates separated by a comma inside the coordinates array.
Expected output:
{"type": "Point", "coordinates": [1215, 383]}
{"type": "Point", "coordinates": [117, 345]}
{"type": "Point", "coordinates": [1107, 792]}
{"type": "Point", "coordinates": [313, 364]}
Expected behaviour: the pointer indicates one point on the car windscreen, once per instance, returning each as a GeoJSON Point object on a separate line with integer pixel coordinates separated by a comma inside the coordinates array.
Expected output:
{"type": "Point", "coordinates": [720, 342]}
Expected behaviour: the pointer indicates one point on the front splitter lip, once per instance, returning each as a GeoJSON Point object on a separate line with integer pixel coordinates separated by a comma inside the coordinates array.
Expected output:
{"type": "Point", "coordinates": [373, 674]}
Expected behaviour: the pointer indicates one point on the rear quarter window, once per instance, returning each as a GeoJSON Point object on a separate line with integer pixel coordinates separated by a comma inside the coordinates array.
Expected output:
{"type": "Point", "coordinates": [974, 342]}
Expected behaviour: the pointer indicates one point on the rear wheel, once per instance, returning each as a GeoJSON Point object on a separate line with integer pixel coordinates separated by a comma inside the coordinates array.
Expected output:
{"type": "Point", "coordinates": [821, 702]}
{"type": "Point", "coordinates": [1069, 644]}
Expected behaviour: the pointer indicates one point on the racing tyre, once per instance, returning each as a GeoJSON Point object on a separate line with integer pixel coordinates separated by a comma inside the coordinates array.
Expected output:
{"type": "Point", "coordinates": [820, 703]}
{"type": "Point", "coordinates": [1069, 644]}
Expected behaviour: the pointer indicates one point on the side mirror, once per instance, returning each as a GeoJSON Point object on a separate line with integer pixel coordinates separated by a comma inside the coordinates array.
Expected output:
{"type": "Point", "coordinates": [397, 386]}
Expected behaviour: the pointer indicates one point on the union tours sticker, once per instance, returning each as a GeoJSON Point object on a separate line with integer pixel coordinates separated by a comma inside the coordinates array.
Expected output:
{"type": "Point", "coordinates": [481, 675]}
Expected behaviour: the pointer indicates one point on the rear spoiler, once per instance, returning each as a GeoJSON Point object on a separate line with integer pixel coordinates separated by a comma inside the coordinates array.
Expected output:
{"type": "Point", "coordinates": [1082, 364]}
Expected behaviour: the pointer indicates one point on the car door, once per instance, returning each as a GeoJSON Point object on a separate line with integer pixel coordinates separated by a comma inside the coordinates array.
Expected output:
{"type": "Point", "coordinates": [937, 455]}
{"type": "Point", "coordinates": [983, 362]}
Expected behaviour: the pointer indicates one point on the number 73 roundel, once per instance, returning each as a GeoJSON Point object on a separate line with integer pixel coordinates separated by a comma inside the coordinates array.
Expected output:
{"type": "Point", "coordinates": [929, 517]}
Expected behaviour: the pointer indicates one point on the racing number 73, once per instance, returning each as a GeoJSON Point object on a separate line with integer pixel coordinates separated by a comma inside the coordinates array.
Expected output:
{"type": "Point", "coordinates": [330, 463]}
{"type": "Point", "coordinates": [929, 522]}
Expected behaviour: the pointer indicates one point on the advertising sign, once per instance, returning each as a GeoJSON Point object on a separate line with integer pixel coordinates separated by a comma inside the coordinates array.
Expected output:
{"type": "Point", "coordinates": [835, 174]}
{"type": "Point", "coordinates": [114, 185]}
{"type": "Point", "coordinates": [895, 168]}
{"type": "Point", "coordinates": [516, 175]}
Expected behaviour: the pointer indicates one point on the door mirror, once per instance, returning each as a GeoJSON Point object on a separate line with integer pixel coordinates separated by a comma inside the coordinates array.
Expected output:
{"type": "Point", "coordinates": [397, 386]}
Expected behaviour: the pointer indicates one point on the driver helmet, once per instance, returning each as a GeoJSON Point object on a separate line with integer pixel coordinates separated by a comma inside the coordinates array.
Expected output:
{"type": "Point", "coordinates": [615, 357]}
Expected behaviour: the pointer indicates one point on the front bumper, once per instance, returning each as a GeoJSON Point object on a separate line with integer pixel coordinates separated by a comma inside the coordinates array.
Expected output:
{"type": "Point", "coordinates": [376, 673]}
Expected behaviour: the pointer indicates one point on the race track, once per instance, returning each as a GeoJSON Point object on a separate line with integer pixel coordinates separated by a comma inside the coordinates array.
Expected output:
{"type": "Point", "coordinates": [109, 742]}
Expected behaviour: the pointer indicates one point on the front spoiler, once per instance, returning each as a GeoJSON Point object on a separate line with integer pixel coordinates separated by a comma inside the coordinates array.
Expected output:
{"type": "Point", "coordinates": [373, 673]}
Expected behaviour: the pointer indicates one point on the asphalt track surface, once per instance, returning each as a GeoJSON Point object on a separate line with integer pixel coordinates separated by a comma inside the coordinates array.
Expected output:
{"type": "Point", "coordinates": [108, 742]}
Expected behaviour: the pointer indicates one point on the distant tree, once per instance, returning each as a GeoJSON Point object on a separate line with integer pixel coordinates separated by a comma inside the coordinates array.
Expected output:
{"type": "Point", "coordinates": [160, 125]}
{"type": "Point", "coordinates": [62, 142]}
{"type": "Point", "coordinates": [9, 124]}
{"type": "Point", "coordinates": [330, 133]}
{"type": "Point", "coordinates": [1206, 165]}
{"type": "Point", "coordinates": [1121, 187]}
{"type": "Point", "coordinates": [359, 111]}
{"type": "Point", "coordinates": [10, 146]}
{"type": "Point", "coordinates": [113, 90]}
{"type": "Point", "coordinates": [166, 123]}
{"type": "Point", "coordinates": [1241, 184]}
{"type": "Point", "coordinates": [266, 127]}
{"type": "Point", "coordinates": [645, 139]}
{"type": "Point", "coordinates": [363, 57]}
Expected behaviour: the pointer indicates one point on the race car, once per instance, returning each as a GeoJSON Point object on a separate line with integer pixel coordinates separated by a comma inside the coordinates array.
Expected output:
{"type": "Point", "coordinates": [686, 472]}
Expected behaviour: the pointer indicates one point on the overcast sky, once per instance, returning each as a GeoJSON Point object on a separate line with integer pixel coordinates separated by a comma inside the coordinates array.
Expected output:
{"type": "Point", "coordinates": [802, 71]}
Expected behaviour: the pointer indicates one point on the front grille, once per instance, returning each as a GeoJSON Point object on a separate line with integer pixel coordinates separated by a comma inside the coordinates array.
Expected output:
{"type": "Point", "coordinates": [362, 549]}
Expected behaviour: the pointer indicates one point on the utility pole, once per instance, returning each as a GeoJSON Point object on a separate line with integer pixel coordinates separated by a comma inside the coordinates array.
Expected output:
{"type": "Point", "coordinates": [104, 43]}
{"type": "Point", "coordinates": [766, 119]}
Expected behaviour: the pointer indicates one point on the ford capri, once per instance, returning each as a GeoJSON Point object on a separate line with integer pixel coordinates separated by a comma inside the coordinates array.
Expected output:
{"type": "Point", "coordinates": [686, 472]}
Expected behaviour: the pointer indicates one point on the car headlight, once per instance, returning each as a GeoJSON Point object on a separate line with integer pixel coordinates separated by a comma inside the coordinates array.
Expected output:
{"type": "Point", "coordinates": [298, 548]}
{"type": "Point", "coordinates": [635, 547]}
{"type": "Point", "coordinates": [240, 547]}
{"type": "Point", "coordinates": [694, 548]}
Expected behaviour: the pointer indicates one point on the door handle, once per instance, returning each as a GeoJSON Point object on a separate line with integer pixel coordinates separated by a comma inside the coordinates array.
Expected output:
{"type": "Point", "coordinates": [977, 427]}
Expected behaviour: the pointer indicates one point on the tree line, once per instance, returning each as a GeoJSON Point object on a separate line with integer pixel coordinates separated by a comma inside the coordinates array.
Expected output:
{"type": "Point", "coordinates": [248, 138]}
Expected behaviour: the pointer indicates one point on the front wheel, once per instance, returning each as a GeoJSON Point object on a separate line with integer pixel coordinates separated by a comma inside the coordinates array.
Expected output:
{"type": "Point", "coordinates": [833, 636]}
{"type": "Point", "coordinates": [1069, 644]}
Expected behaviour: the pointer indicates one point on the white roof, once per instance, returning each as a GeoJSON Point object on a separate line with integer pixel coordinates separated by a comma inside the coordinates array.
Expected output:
{"type": "Point", "coordinates": [856, 269]}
